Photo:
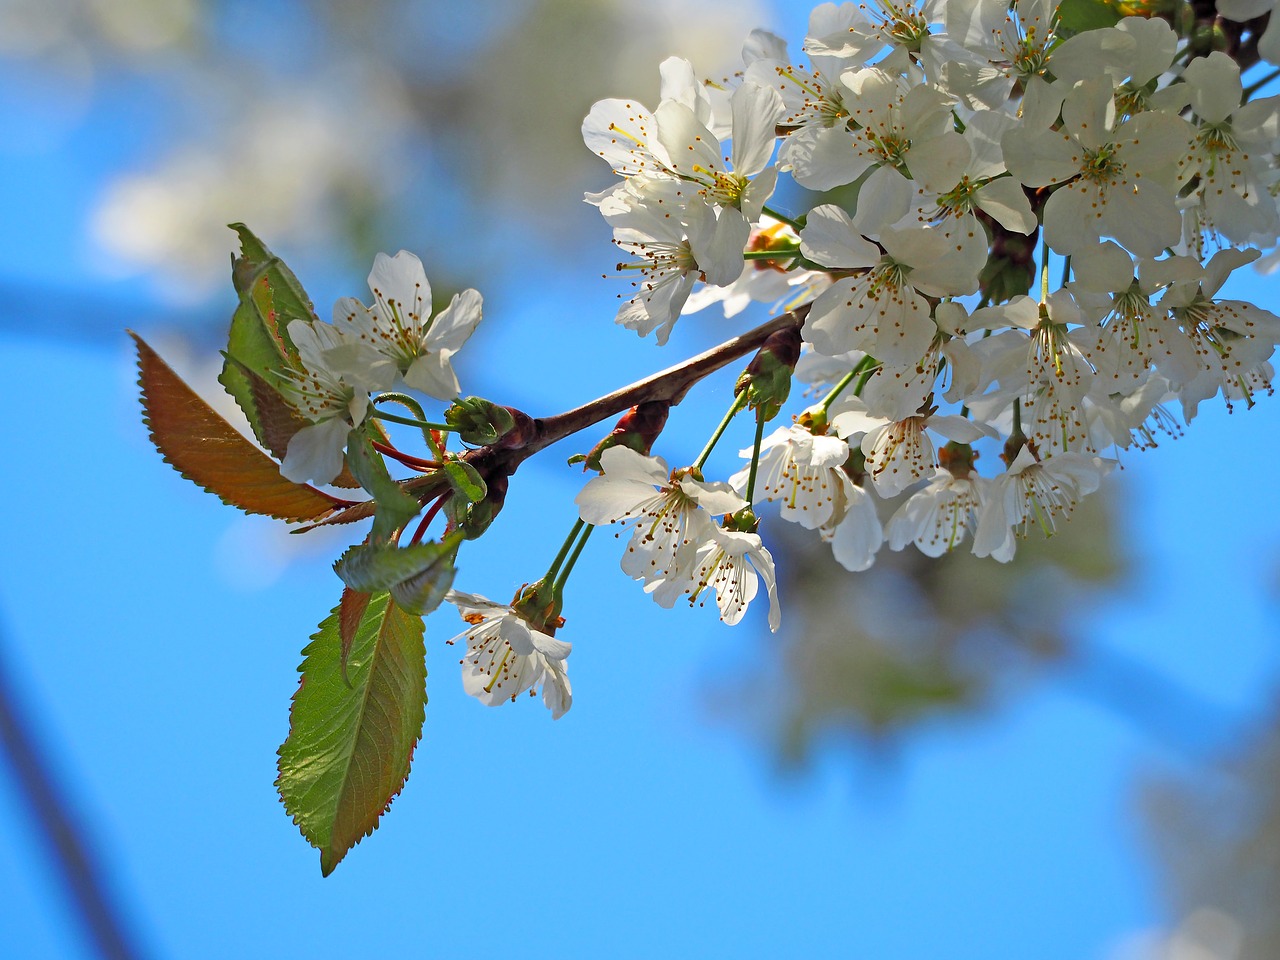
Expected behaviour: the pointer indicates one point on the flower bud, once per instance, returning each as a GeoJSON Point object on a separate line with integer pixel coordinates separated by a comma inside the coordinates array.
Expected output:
{"type": "Point", "coordinates": [767, 379]}
{"type": "Point", "coordinates": [479, 422]}
{"type": "Point", "coordinates": [637, 429]}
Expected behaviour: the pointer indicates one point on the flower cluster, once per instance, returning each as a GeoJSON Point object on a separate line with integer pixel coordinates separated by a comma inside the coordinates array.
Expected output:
{"type": "Point", "coordinates": [891, 190]}
{"type": "Point", "coordinates": [958, 136]}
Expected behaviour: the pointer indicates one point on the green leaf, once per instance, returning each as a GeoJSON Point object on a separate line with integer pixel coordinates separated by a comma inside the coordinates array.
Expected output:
{"type": "Point", "coordinates": [466, 480]}
{"type": "Point", "coordinates": [348, 752]}
{"type": "Point", "coordinates": [377, 566]}
{"type": "Point", "coordinates": [1077, 16]}
{"type": "Point", "coordinates": [395, 506]}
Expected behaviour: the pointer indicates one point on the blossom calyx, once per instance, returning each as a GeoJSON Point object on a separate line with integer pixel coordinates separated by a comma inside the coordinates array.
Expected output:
{"type": "Point", "coordinates": [766, 382]}
{"type": "Point", "coordinates": [478, 421]}
{"type": "Point", "coordinates": [636, 429]}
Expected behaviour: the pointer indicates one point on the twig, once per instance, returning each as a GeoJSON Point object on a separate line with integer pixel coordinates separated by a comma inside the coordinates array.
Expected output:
{"type": "Point", "coordinates": [70, 852]}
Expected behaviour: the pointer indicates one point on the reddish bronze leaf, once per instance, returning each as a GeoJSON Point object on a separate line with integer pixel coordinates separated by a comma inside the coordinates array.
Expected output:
{"type": "Point", "coordinates": [204, 448]}
{"type": "Point", "coordinates": [350, 613]}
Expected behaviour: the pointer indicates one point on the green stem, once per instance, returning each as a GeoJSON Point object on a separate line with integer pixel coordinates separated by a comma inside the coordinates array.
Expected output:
{"type": "Point", "coordinates": [783, 253]}
{"type": "Point", "coordinates": [1017, 418]}
{"type": "Point", "coordinates": [411, 421]}
{"type": "Point", "coordinates": [1066, 271]}
{"type": "Point", "coordinates": [739, 402]}
{"type": "Point", "coordinates": [755, 456]}
{"type": "Point", "coordinates": [564, 551]}
{"type": "Point", "coordinates": [847, 379]}
{"type": "Point", "coordinates": [558, 590]}
{"type": "Point", "coordinates": [789, 221]}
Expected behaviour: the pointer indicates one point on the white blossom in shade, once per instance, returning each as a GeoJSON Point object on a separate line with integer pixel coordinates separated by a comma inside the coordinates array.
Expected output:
{"type": "Point", "coordinates": [669, 514]}
{"type": "Point", "coordinates": [1035, 492]}
{"type": "Point", "coordinates": [400, 327]}
{"type": "Point", "coordinates": [1117, 179]}
{"type": "Point", "coordinates": [328, 392]}
{"type": "Point", "coordinates": [937, 517]}
{"type": "Point", "coordinates": [507, 656]}
{"type": "Point", "coordinates": [1127, 333]}
{"type": "Point", "coordinates": [900, 452]}
{"type": "Point", "coordinates": [1233, 338]}
{"type": "Point", "coordinates": [1228, 163]}
{"type": "Point", "coordinates": [857, 536]}
{"type": "Point", "coordinates": [667, 253]}
{"type": "Point", "coordinates": [731, 564]}
{"type": "Point", "coordinates": [802, 471]}
{"type": "Point", "coordinates": [1135, 419]}
{"type": "Point", "coordinates": [1045, 370]}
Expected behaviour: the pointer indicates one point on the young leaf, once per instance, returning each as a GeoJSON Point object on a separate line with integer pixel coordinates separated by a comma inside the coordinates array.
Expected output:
{"type": "Point", "coordinates": [349, 748]}
{"type": "Point", "coordinates": [378, 566]}
{"type": "Point", "coordinates": [290, 299]}
{"type": "Point", "coordinates": [211, 453]}
{"type": "Point", "coordinates": [270, 297]}
{"type": "Point", "coordinates": [350, 612]}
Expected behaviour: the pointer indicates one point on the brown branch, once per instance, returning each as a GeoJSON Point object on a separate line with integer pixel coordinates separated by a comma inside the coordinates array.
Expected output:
{"type": "Point", "coordinates": [668, 385]}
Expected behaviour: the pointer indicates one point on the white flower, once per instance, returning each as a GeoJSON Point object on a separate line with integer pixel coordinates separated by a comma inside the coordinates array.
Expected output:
{"type": "Point", "coordinates": [1133, 335]}
{"type": "Point", "coordinates": [1228, 160]}
{"type": "Point", "coordinates": [400, 327]}
{"type": "Point", "coordinates": [329, 392]}
{"type": "Point", "coordinates": [667, 253]}
{"type": "Point", "coordinates": [506, 656]}
{"type": "Point", "coordinates": [1036, 491]}
{"type": "Point", "coordinates": [732, 564]}
{"type": "Point", "coordinates": [674, 145]}
{"type": "Point", "coordinates": [937, 517]}
{"type": "Point", "coordinates": [883, 310]}
{"type": "Point", "coordinates": [1232, 338]}
{"type": "Point", "coordinates": [668, 524]}
{"type": "Point", "coordinates": [900, 452]}
{"type": "Point", "coordinates": [1116, 179]}
{"type": "Point", "coordinates": [802, 471]}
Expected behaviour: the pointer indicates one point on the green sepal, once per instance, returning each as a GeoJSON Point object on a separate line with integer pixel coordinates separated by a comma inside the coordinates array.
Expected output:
{"type": "Point", "coordinates": [395, 507]}
{"type": "Point", "coordinates": [349, 748]}
{"type": "Point", "coordinates": [465, 480]}
{"type": "Point", "coordinates": [369, 567]}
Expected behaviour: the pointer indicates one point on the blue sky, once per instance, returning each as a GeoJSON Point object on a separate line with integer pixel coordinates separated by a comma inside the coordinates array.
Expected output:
{"type": "Point", "coordinates": [636, 825]}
